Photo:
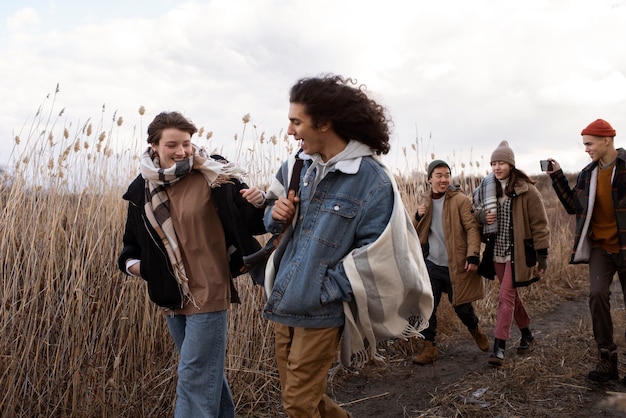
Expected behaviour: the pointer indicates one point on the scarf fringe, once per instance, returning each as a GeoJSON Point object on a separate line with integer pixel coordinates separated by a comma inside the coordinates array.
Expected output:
{"type": "Point", "coordinates": [183, 281]}
{"type": "Point", "coordinates": [408, 332]}
{"type": "Point", "coordinates": [364, 356]}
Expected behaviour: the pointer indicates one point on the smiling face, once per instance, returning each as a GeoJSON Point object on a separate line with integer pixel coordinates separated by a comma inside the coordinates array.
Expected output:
{"type": "Point", "coordinates": [174, 146]}
{"type": "Point", "coordinates": [596, 147]}
{"type": "Point", "coordinates": [501, 169]}
{"type": "Point", "coordinates": [301, 126]}
{"type": "Point", "coordinates": [440, 179]}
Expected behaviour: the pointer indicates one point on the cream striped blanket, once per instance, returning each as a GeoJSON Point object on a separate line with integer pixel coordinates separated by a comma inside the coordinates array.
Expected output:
{"type": "Point", "coordinates": [389, 280]}
{"type": "Point", "coordinates": [390, 284]}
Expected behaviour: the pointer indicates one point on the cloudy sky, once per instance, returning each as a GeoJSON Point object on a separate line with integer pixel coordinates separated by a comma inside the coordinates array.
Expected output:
{"type": "Point", "coordinates": [458, 75]}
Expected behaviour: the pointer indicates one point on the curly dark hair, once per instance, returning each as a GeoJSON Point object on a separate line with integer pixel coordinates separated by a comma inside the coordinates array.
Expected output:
{"type": "Point", "coordinates": [166, 120]}
{"type": "Point", "coordinates": [352, 114]}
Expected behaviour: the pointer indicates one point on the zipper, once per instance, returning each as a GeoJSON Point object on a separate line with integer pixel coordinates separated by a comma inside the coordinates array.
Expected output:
{"type": "Point", "coordinates": [146, 226]}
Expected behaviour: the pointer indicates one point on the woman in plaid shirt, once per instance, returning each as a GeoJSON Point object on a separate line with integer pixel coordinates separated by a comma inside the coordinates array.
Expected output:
{"type": "Point", "coordinates": [520, 251]}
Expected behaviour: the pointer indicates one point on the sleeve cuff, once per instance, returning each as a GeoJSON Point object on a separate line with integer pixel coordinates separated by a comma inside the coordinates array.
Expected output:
{"type": "Point", "coordinates": [129, 263]}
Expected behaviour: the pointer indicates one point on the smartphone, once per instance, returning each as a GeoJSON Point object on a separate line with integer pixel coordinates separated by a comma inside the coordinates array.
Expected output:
{"type": "Point", "coordinates": [546, 165]}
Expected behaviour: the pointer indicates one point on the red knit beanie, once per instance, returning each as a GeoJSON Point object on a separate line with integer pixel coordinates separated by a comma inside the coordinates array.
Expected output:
{"type": "Point", "coordinates": [599, 127]}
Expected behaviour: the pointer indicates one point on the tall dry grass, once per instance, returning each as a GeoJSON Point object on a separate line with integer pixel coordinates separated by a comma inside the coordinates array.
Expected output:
{"type": "Point", "coordinates": [81, 339]}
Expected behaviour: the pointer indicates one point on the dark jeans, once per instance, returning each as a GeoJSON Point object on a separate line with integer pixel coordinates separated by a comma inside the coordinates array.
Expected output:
{"type": "Point", "coordinates": [440, 282]}
{"type": "Point", "coordinates": [602, 268]}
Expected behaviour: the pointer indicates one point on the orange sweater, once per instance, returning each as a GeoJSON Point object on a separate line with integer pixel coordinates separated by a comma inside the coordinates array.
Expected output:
{"type": "Point", "coordinates": [603, 224]}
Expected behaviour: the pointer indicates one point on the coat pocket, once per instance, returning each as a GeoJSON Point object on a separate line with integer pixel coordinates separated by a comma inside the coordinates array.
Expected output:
{"type": "Point", "coordinates": [486, 267]}
{"type": "Point", "coordinates": [530, 253]}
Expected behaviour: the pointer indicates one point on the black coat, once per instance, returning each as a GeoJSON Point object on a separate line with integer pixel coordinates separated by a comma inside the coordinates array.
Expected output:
{"type": "Point", "coordinates": [240, 220]}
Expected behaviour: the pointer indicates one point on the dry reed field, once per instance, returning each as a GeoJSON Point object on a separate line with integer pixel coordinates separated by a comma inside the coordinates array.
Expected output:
{"type": "Point", "coordinates": [81, 339]}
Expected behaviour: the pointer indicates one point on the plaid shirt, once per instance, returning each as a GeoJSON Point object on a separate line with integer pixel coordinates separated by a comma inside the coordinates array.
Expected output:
{"type": "Point", "coordinates": [576, 202]}
{"type": "Point", "coordinates": [502, 248]}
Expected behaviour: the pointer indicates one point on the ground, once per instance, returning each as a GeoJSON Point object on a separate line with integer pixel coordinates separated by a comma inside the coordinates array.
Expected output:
{"type": "Point", "coordinates": [551, 381]}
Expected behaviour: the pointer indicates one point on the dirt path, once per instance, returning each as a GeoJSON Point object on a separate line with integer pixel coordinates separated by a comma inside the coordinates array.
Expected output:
{"type": "Point", "coordinates": [550, 381]}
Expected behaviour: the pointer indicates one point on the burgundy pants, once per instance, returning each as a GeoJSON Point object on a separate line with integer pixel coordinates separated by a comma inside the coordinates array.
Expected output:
{"type": "Point", "coordinates": [510, 306]}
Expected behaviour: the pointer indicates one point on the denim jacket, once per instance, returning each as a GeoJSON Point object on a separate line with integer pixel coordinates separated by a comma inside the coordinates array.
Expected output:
{"type": "Point", "coordinates": [346, 211]}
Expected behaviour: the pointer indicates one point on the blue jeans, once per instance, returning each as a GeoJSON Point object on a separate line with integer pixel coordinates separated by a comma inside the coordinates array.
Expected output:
{"type": "Point", "coordinates": [202, 389]}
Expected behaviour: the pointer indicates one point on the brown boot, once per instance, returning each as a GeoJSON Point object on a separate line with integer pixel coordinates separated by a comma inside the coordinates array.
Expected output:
{"type": "Point", "coordinates": [481, 338]}
{"type": "Point", "coordinates": [428, 355]}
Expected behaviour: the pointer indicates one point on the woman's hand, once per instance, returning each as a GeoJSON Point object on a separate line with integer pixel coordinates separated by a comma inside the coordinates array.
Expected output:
{"type": "Point", "coordinates": [542, 264]}
{"type": "Point", "coordinates": [470, 266]}
{"type": "Point", "coordinates": [253, 195]}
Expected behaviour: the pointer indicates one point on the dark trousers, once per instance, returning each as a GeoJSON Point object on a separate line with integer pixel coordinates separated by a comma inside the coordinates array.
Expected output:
{"type": "Point", "coordinates": [602, 268]}
{"type": "Point", "coordinates": [440, 282]}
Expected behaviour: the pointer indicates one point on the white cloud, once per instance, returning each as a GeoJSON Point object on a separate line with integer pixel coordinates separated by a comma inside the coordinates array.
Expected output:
{"type": "Point", "coordinates": [468, 73]}
{"type": "Point", "coordinates": [22, 19]}
{"type": "Point", "coordinates": [587, 90]}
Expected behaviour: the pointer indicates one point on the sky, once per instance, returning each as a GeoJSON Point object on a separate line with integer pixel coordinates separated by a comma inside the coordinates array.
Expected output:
{"type": "Point", "coordinates": [457, 77]}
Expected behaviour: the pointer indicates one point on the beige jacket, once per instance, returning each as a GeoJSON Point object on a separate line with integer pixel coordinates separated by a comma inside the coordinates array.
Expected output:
{"type": "Point", "coordinates": [462, 235]}
{"type": "Point", "coordinates": [530, 232]}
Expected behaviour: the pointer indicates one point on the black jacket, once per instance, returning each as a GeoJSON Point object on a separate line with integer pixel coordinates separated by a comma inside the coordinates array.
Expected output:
{"type": "Point", "coordinates": [240, 220]}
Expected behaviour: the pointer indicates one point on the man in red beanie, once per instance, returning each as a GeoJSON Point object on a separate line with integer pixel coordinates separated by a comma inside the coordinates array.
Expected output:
{"type": "Point", "coordinates": [599, 202]}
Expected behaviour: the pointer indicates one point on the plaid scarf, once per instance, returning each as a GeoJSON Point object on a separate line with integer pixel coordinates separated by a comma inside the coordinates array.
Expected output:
{"type": "Point", "coordinates": [157, 205]}
{"type": "Point", "coordinates": [485, 197]}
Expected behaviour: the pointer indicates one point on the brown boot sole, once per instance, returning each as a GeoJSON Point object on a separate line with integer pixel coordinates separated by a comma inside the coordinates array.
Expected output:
{"type": "Point", "coordinates": [531, 347]}
{"type": "Point", "coordinates": [422, 363]}
{"type": "Point", "coordinates": [495, 361]}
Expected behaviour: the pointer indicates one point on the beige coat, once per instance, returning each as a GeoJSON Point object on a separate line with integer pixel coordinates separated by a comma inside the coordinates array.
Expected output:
{"type": "Point", "coordinates": [462, 235]}
{"type": "Point", "coordinates": [530, 231]}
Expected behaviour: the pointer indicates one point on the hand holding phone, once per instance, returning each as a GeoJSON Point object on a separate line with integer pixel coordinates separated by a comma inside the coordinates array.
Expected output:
{"type": "Point", "coordinates": [546, 165]}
